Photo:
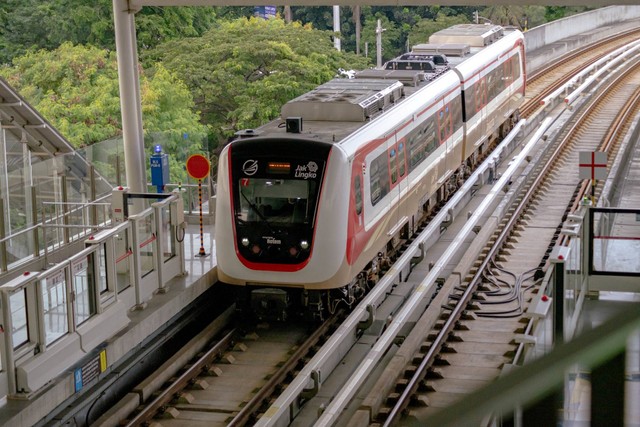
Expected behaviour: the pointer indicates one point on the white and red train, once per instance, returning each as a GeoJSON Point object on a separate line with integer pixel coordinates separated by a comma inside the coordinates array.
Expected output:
{"type": "Point", "coordinates": [308, 205]}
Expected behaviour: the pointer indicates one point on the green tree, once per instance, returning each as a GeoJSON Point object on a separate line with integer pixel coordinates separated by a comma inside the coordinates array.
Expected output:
{"type": "Point", "coordinates": [76, 89]}
{"type": "Point", "coordinates": [36, 24]}
{"type": "Point", "coordinates": [243, 71]}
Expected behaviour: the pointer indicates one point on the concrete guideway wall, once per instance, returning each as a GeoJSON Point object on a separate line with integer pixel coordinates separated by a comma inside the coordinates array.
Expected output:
{"type": "Point", "coordinates": [562, 35]}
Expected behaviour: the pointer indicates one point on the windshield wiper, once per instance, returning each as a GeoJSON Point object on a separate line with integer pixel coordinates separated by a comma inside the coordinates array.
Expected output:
{"type": "Point", "coordinates": [263, 219]}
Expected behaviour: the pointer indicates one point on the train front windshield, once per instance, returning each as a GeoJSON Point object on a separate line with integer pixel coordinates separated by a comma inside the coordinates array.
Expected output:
{"type": "Point", "coordinates": [278, 201]}
{"type": "Point", "coordinates": [276, 185]}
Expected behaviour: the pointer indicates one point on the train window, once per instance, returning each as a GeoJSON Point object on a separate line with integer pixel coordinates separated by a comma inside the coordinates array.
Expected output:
{"type": "Point", "coordinates": [277, 201]}
{"type": "Point", "coordinates": [480, 96]}
{"type": "Point", "coordinates": [393, 165]}
{"type": "Point", "coordinates": [497, 83]}
{"type": "Point", "coordinates": [421, 143]}
{"type": "Point", "coordinates": [456, 112]}
{"type": "Point", "coordinates": [444, 123]}
{"type": "Point", "coordinates": [469, 103]}
{"type": "Point", "coordinates": [515, 66]}
{"type": "Point", "coordinates": [357, 189]}
{"type": "Point", "coordinates": [401, 159]}
{"type": "Point", "coordinates": [491, 85]}
{"type": "Point", "coordinates": [379, 178]}
{"type": "Point", "coordinates": [507, 68]}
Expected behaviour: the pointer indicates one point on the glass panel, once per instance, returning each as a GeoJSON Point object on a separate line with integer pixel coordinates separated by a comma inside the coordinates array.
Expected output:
{"type": "Point", "coordinates": [107, 158]}
{"type": "Point", "coordinates": [84, 303]}
{"type": "Point", "coordinates": [147, 238]}
{"type": "Point", "coordinates": [20, 330]}
{"type": "Point", "coordinates": [102, 268]}
{"type": "Point", "coordinates": [401, 162]}
{"type": "Point", "coordinates": [54, 301]}
{"type": "Point", "coordinates": [20, 249]}
{"type": "Point", "coordinates": [14, 189]}
{"type": "Point", "coordinates": [277, 201]}
{"type": "Point", "coordinates": [379, 178]}
{"type": "Point", "coordinates": [393, 165]}
{"type": "Point", "coordinates": [422, 142]}
{"type": "Point", "coordinates": [616, 242]}
{"type": "Point", "coordinates": [574, 278]}
{"type": "Point", "coordinates": [168, 242]}
{"type": "Point", "coordinates": [123, 261]}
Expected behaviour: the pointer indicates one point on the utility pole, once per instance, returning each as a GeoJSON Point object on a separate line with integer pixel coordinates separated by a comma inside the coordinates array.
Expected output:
{"type": "Point", "coordinates": [379, 31]}
{"type": "Point", "coordinates": [336, 27]}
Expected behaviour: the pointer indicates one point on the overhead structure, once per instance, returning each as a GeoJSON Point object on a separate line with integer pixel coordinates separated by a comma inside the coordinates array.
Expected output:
{"type": "Point", "coordinates": [24, 122]}
{"type": "Point", "coordinates": [139, 3]}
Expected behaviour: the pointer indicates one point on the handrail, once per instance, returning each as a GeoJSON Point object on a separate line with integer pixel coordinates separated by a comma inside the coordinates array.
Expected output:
{"type": "Point", "coordinates": [96, 202]}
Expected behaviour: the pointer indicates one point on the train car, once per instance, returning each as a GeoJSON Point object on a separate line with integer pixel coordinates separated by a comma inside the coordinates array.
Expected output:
{"type": "Point", "coordinates": [311, 205]}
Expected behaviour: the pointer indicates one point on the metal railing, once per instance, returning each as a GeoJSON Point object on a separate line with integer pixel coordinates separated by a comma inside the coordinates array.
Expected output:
{"type": "Point", "coordinates": [55, 316]}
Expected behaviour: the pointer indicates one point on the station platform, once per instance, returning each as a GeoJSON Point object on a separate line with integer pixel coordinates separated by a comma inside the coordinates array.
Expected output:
{"type": "Point", "coordinates": [179, 293]}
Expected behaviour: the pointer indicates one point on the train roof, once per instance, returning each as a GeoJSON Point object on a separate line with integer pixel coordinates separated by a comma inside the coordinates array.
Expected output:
{"type": "Point", "coordinates": [334, 111]}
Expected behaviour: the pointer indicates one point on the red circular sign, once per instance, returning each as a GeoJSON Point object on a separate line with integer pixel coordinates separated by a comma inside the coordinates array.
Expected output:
{"type": "Point", "coordinates": [198, 166]}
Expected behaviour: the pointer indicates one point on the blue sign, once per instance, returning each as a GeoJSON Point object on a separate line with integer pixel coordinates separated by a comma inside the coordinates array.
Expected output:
{"type": "Point", "coordinates": [159, 170]}
{"type": "Point", "coordinates": [77, 377]}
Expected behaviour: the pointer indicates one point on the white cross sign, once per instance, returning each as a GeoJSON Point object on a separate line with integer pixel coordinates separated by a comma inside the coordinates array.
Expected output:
{"type": "Point", "coordinates": [593, 164]}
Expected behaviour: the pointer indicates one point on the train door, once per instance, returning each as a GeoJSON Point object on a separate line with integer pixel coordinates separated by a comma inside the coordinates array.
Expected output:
{"type": "Point", "coordinates": [394, 180]}
{"type": "Point", "coordinates": [445, 132]}
{"type": "Point", "coordinates": [480, 97]}
{"type": "Point", "coordinates": [403, 171]}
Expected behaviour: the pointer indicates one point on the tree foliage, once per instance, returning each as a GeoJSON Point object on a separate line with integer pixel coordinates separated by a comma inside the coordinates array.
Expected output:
{"type": "Point", "coordinates": [243, 71]}
{"type": "Point", "coordinates": [76, 89]}
{"type": "Point", "coordinates": [35, 24]}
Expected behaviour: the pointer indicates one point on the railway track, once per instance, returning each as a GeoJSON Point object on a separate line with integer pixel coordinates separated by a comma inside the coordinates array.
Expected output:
{"type": "Point", "coordinates": [230, 380]}
{"type": "Point", "coordinates": [556, 73]}
{"type": "Point", "coordinates": [482, 323]}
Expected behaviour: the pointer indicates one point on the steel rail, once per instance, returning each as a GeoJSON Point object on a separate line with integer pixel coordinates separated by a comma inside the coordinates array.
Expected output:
{"type": "Point", "coordinates": [148, 412]}
{"type": "Point", "coordinates": [534, 103]}
{"type": "Point", "coordinates": [243, 417]}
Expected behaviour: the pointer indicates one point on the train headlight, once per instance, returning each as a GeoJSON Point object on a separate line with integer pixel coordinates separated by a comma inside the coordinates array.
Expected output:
{"type": "Point", "coordinates": [245, 242]}
{"type": "Point", "coordinates": [304, 245]}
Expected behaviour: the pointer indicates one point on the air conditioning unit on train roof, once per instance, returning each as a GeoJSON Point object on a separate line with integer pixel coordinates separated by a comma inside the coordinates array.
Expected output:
{"type": "Point", "coordinates": [475, 35]}
{"type": "Point", "coordinates": [344, 100]}
{"type": "Point", "coordinates": [449, 49]}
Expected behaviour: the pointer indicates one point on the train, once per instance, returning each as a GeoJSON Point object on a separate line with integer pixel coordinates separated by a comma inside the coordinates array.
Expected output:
{"type": "Point", "coordinates": [311, 207]}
